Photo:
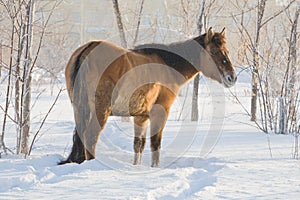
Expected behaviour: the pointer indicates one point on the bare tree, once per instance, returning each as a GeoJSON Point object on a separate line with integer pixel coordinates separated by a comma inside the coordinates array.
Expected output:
{"type": "Point", "coordinates": [278, 93]}
{"type": "Point", "coordinates": [21, 65]}
{"type": "Point", "coordinates": [256, 81]}
{"type": "Point", "coordinates": [288, 91]}
{"type": "Point", "coordinates": [254, 43]}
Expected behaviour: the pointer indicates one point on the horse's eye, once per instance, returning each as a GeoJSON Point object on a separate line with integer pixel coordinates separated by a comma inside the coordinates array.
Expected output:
{"type": "Point", "coordinates": [224, 61]}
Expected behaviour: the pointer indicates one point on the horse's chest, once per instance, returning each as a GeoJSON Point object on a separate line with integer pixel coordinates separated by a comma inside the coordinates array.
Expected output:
{"type": "Point", "coordinates": [135, 102]}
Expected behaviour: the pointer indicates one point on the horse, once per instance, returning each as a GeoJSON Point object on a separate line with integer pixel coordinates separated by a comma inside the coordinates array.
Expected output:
{"type": "Point", "coordinates": [105, 80]}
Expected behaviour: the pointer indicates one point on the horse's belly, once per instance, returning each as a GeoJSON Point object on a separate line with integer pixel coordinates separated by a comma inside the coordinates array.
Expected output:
{"type": "Point", "coordinates": [124, 108]}
{"type": "Point", "coordinates": [137, 103]}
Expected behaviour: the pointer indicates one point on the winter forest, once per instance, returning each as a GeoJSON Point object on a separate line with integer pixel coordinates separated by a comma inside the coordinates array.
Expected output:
{"type": "Point", "coordinates": [240, 142]}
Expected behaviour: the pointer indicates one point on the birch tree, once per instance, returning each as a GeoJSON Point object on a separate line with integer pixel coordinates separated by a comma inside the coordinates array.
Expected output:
{"type": "Point", "coordinates": [290, 96]}
{"type": "Point", "coordinates": [23, 55]}
{"type": "Point", "coordinates": [253, 43]}
{"type": "Point", "coordinates": [195, 109]}
{"type": "Point", "coordinates": [275, 66]}
{"type": "Point", "coordinates": [261, 4]}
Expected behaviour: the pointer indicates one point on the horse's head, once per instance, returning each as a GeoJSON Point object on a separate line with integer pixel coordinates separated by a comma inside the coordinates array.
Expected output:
{"type": "Point", "coordinates": [220, 67]}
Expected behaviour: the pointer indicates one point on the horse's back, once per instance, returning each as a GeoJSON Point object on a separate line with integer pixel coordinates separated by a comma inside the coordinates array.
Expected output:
{"type": "Point", "coordinates": [95, 56]}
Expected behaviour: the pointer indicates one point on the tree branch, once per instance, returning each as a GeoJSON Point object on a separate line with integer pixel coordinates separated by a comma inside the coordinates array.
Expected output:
{"type": "Point", "coordinates": [276, 14]}
{"type": "Point", "coordinates": [43, 122]}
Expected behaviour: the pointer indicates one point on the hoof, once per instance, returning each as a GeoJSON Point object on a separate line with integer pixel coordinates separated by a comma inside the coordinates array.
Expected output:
{"type": "Point", "coordinates": [78, 161]}
{"type": "Point", "coordinates": [155, 165]}
{"type": "Point", "coordinates": [64, 162]}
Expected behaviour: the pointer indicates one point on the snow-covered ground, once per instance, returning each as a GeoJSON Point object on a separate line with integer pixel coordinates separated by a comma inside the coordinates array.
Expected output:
{"type": "Point", "coordinates": [204, 160]}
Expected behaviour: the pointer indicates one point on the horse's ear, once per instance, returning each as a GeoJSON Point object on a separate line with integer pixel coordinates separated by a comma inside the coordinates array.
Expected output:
{"type": "Point", "coordinates": [210, 34]}
{"type": "Point", "coordinates": [223, 32]}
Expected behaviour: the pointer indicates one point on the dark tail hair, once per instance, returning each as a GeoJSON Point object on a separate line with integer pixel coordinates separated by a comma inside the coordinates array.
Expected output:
{"type": "Point", "coordinates": [78, 152]}
{"type": "Point", "coordinates": [81, 57]}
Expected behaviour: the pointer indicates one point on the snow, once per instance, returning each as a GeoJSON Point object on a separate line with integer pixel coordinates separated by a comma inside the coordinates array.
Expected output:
{"type": "Point", "coordinates": [197, 160]}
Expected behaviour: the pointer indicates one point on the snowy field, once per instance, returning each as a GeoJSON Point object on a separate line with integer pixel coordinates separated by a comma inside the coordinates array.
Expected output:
{"type": "Point", "coordinates": [221, 157]}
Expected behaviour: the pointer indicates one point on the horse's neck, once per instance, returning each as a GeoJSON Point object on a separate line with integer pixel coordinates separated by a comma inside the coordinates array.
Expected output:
{"type": "Point", "coordinates": [188, 54]}
{"type": "Point", "coordinates": [184, 57]}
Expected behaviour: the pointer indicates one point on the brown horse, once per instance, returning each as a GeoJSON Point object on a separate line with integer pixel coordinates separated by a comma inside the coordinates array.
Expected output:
{"type": "Point", "coordinates": [106, 80]}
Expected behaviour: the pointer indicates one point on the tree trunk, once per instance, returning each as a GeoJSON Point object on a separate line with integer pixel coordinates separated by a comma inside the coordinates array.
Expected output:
{"type": "Point", "coordinates": [26, 117]}
{"type": "Point", "coordinates": [195, 109]}
{"type": "Point", "coordinates": [282, 116]}
{"type": "Point", "coordinates": [254, 86]}
{"type": "Point", "coordinates": [139, 22]}
{"type": "Point", "coordinates": [17, 85]}
{"type": "Point", "coordinates": [1, 57]}
{"type": "Point", "coordinates": [119, 23]}
{"type": "Point", "coordinates": [26, 104]}
{"type": "Point", "coordinates": [255, 73]}
{"type": "Point", "coordinates": [292, 65]}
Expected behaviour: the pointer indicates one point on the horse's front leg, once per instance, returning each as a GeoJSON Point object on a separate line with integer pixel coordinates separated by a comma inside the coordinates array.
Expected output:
{"type": "Point", "coordinates": [140, 129]}
{"type": "Point", "coordinates": [158, 118]}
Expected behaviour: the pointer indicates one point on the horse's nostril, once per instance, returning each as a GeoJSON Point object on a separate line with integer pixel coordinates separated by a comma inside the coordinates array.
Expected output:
{"type": "Point", "coordinates": [230, 78]}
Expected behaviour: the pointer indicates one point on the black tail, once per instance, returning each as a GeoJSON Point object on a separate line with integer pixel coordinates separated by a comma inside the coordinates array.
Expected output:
{"type": "Point", "coordinates": [78, 151]}
{"type": "Point", "coordinates": [80, 58]}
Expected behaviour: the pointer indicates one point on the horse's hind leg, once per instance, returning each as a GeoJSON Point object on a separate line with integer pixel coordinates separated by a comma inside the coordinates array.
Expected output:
{"type": "Point", "coordinates": [92, 135]}
{"type": "Point", "coordinates": [140, 129]}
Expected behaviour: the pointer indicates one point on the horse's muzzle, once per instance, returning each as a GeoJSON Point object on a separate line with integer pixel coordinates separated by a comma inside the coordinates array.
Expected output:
{"type": "Point", "coordinates": [229, 80]}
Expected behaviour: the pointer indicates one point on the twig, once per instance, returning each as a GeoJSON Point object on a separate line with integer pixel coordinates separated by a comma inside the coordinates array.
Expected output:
{"type": "Point", "coordinates": [245, 123]}
{"type": "Point", "coordinates": [276, 14]}
{"type": "Point", "coordinates": [8, 115]}
{"type": "Point", "coordinates": [238, 100]}
{"type": "Point", "coordinates": [37, 98]}
{"type": "Point", "coordinates": [43, 122]}
{"type": "Point", "coordinates": [7, 102]}
{"type": "Point", "coordinates": [184, 101]}
{"type": "Point", "coordinates": [269, 145]}
{"type": "Point", "coordinates": [42, 35]}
